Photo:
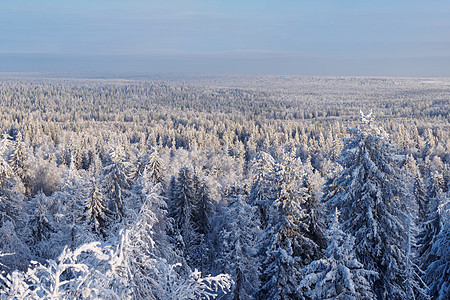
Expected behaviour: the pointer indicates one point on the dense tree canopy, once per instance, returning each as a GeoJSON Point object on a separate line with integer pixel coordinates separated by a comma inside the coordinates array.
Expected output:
{"type": "Point", "coordinates": [215, 187]}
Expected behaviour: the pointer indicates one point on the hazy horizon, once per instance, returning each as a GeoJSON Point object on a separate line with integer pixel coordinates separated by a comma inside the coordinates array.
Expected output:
{"type": "Point", "coordinates": [349, 38]}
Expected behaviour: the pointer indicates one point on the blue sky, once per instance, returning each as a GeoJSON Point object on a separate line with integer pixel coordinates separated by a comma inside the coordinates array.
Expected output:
{"type": "Point", "coordinates": [340, 37]}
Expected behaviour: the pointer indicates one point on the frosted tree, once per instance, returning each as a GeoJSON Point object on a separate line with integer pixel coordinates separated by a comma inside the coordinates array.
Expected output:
{"type": "Point", "coordinates": [201, 217]}
{"type": "Point", "coordinates": [204, 205]}
{"type": "Point", "coordinates": [70, 202]}
{"type": "Point", "coordinates": [12, 243]}
{"type": "Point", "coordinates": [286, 247]}
{"type": "Point", "coordinates": [313, 215]}
{"type": "Point", "coordinates": [437, 272]}
{"type": "Point", "coordinates": [183, 207]}
{"type": "Point", "coordinates": [96, 212]}
{"type": "Point", "coordinates": [39, 223]}
{"type": "Point", "coordinates": [261, 194]}
{"type": "Point", "coordinates": [11, 197]}
{"type": "Point", "coordinates": [370, 194]}
{"type": "Point", "coordinates": [415, 287]}
{"type": "Point", "coordinates": [432, 223]}
{"type": "Point", "coordinates": [153, 166]}
{"type": "Point", "coordinates": [144, 262]}
{"type": "Point", "coordinates": [239, 245]}
{"type": "Point", "coordinates": [116, 183]}
{"type": "Point", "coordinates": [420, 197]}
{"type": "Point", "coordinates": [18, 161]}
{"type": "Point", "coordinates": [339, 275]}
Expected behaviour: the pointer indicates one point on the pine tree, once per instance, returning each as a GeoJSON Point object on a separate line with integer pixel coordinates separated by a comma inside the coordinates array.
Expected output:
{"type": "Point", "coordinates": [10, 196]}
{"type": "Point", "coordinates": [152, 164]}
{"type": "Point", "coordinates": [370, 194]}
{"type": "Point", "coordinates": [14, 245]}
{"type": "Point", "coordinates": [339, 275]}
{"type": "Point", "coordinates": [203, 206]}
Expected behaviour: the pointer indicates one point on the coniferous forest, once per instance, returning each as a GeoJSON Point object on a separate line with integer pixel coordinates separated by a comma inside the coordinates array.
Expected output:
{"type": "Point", "coordinates": [224, 187]}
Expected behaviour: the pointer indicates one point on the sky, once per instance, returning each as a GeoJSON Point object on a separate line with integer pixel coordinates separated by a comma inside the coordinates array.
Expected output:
{"type": "Point", "coordinates": [292, 37]}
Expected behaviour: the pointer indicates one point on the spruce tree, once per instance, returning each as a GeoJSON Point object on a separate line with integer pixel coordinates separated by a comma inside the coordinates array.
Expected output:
{"type": "Point", "coordinates": [339, 275]}
{"type": "Point", "coordinates": [97, 214]}
{"type": "Point", "coordinates": [261, 194]}
{"type": "Point", "coordinates": [437, 273]}
{"type": "Point", "coordinates": [286, 243]}
{"type": "Point", "coordinates": [239, 241]}
{"type": "Point", "coordinates": [183, 208]}
{"type": "Point", "coordinates": [18, 162]}
{"type": "Point", "coordinates": [370, 193]}
{"type": "Point", "coordinates": [39, 223]}
{"type": "Point", "coordinates": [420, 197]}
{"type": "Point", "coordinates": [201, 217]}
{"type": "Point", "coordinates": [415, 287]}
{"type": "Point", "coordinates": [432, 223]}
{"type": "Point", "coordinates": [116, 183]}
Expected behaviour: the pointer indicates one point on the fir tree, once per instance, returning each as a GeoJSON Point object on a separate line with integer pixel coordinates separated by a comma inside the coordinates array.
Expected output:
{"type": "Point", "coordinates": [155, 168]}
{"type": "Point", "coordinates": [313, 216]}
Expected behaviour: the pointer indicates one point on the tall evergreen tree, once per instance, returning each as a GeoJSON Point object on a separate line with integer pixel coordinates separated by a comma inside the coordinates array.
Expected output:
{"type": "Point", "coordinates": [339, 275]}
{"type": "Point", "coordinates": [261, 194]}
{"type": "Point", "coordinates": [116, 183]}
{"type": "Point", "coordinates": [239, 241]}
{"type": "Point", "coordinates": [432, 223]}
{"type": "Point", "coordinates": [18, 162]}
{"type": "Point", "coordinates": [420, 197]}
{"type": "Point", "coordinates": [155, 168]}
{"type": "Point", "coordinates": [415, 287]}
{"type": "Point", "coordinates": [201, 217]}
{"type": "Point", "coordinates": [437, 273]}
{"type": "Point", "coordinates": [183, 208]}
{"type": "Point", "coordinates": [370, 193]}
{"type": "Point", "coordinates": [39, 223]}
{"type": "Point", "coordinates": [286, 244]}
{"type": "Point", "coordinates": [313, 215]}
{"type": "Point", "coordinates": [97, 214]}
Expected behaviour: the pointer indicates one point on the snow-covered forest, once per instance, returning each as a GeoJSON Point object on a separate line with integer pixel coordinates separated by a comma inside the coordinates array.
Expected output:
{"type": "Point", "coordinates": [226, 187]}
